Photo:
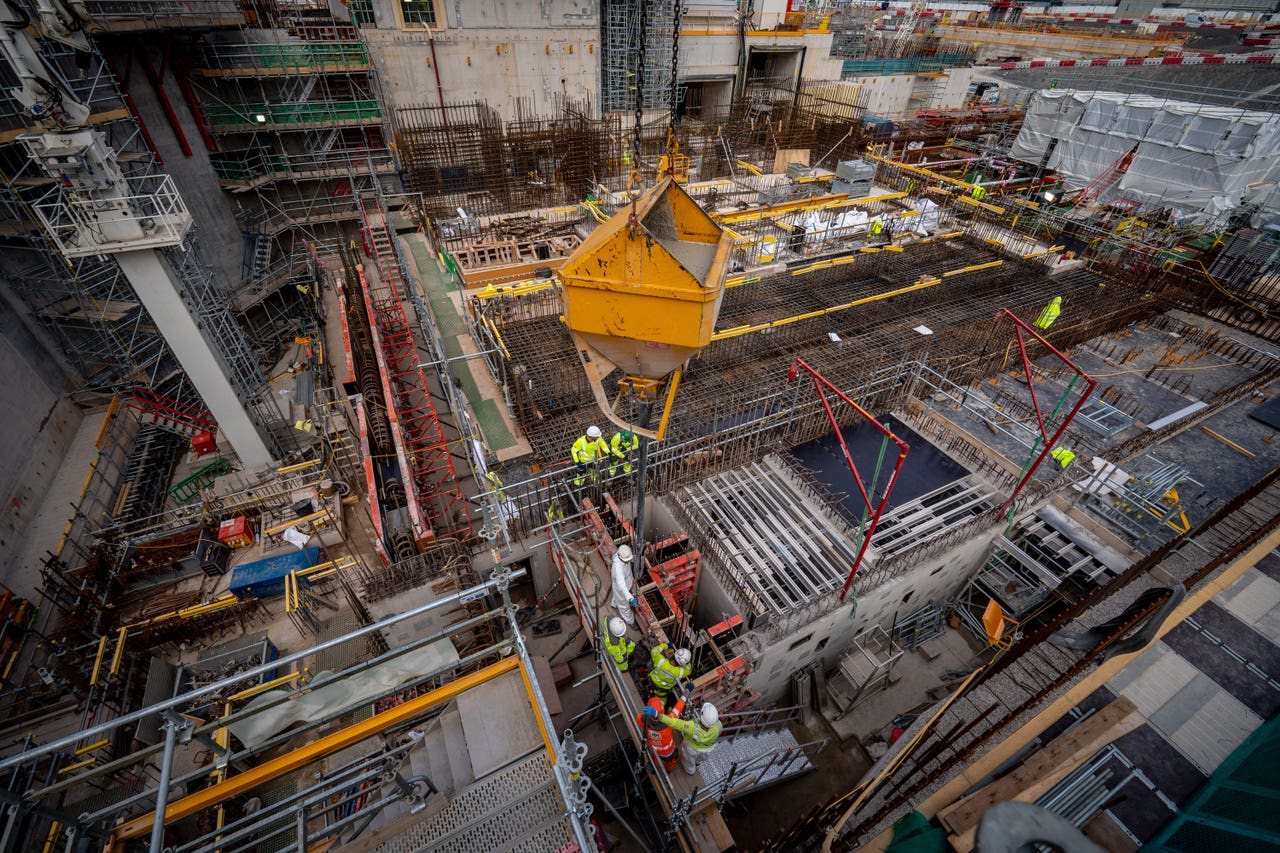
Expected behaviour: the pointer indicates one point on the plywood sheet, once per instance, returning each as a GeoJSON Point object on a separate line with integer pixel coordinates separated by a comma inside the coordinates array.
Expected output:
{"type": "Point", "coordinates": [498, 723]}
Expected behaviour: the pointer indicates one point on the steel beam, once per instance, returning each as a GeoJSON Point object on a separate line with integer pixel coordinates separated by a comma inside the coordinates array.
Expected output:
{"type": "Point", "coordinates": [306, 754]}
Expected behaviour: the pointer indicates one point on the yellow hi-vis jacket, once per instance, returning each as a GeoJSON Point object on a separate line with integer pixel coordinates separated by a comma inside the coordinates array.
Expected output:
{"type": "Point", "coordinates": [619, 649]}
{"type": "Point", "coordinates": [695, 734]}
{"type": "Point", "coordinates": [586, 450]}
{"type": "Point", "coordinates": [663, 673]}
{"type": "Point", "coordinates": [1050, 313]}
{"type": "Point", "coordinates": [621, 448]}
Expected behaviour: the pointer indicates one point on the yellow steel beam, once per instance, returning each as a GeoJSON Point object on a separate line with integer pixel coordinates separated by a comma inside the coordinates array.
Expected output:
{"type": "Point", "coordinates": [520, 288]}
{"type": "Point", "coordinates": [90, 747]}
{"type": "Point", "coordinates": [298, 758]}
{"type": "Point", "coordinates": [79, 765]}
{"type": "Point", "coordinates": [824, 202]}
{"type": "Point", "coordinates": [973, 268]}
{"type": "Point", "coordinates": [493, 329]}
{"type": "Point", "coordinates": [921, 171]}
{"type": "Point", "coordinates": [97, 661]}
{"type": "Point", "coordinates": [315, 516]}
{"type": "Point", "coordinates": [533, 703]}
{"type": "Point", "coordinates": [755, 170]}
{"type": "Point", "coordinates": [288, 469]}
{"type": "Point", "coordinates": [117, 657]}
{"type": "Point", "coordinates": [262, 688]}
{"type": "Point", "coordinates": [743, 330]}
{"type": "Point", "coordinates": [973, 202]}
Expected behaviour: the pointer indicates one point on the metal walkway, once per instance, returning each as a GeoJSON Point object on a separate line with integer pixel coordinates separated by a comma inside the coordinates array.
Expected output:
{"type": "Point", "coordinates": [518, 808]}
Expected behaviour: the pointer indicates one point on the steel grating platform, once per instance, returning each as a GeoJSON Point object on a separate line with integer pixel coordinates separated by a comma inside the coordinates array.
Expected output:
{"type": "Point", "coordinates": [518, 808]}
{"type": "Point", "coordinates": [762, 758]}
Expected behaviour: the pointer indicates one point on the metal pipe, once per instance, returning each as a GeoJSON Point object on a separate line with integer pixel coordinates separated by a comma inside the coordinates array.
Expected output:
{"type": "Point", "coordinates": [162, 793]}
{"type": "Point", "coordinates": [609, 807]}
{"type": "Point", "coordinates": [70, 741]}
{"type": "Point", "coordinates": [247, 825]}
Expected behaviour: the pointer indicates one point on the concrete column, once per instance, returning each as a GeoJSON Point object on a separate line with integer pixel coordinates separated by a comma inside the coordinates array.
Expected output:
{"type": "Point", "coordinates": [153, 281]}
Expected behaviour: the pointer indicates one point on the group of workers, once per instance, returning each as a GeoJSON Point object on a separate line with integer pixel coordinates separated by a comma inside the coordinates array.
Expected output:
{"type": "Point", "coordinates": [591, 450]}
{"type": "Point", "coordinates": [667, 670]}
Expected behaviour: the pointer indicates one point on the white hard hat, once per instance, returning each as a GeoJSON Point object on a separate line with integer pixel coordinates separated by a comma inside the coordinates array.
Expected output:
{"type": "Point", "coordinates": [593, 432]}
{"type": "Point", "coordinates": [709, 715]}
{"type": "Point", "coordinates": [616, 626]}
{"type": "Point", "coordinates": [624, 553]}
{"type": "Point", "coordinates": [683, 657]}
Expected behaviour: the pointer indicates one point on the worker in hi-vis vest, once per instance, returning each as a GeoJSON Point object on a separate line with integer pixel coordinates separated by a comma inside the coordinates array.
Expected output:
{"type": "Point", "coordinates": [616, 643]}
{"type": "Point", "coordinates": [587, 451]}
{"type": "Point", "coordinates": [700, 735]}
{"type": "Point", "coordinates": [670, 666]}
{"type": "Point", "coordinates": [621, 447]}
{"type": "Point", "coordinates": [1062, 456]}
{"type": "Point", "coordinates": [1050, 313]}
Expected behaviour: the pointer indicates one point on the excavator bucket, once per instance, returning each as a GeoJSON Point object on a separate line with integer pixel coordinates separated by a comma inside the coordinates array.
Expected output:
{"type": "Point", "coordinates": [643, 296]}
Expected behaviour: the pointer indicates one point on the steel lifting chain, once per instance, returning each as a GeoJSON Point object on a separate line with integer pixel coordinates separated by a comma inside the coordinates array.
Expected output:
{"type": "Point", "coordinates": [673, 147]}
{"type": "Point", "coordinates": [635, 185]}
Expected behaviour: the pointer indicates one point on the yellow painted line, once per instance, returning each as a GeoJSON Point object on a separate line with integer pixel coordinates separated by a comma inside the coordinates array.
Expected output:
{"type": "Point", "coordinates": [298, 758]}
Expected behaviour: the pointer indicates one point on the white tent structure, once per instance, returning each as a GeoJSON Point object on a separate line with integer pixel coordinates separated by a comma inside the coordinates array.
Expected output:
{"type": "Point", "coordinates": [1203, 160]}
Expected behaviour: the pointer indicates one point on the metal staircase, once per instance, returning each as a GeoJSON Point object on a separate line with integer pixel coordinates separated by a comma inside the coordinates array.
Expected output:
{"type": "Point", "coordinates": [749, 761]}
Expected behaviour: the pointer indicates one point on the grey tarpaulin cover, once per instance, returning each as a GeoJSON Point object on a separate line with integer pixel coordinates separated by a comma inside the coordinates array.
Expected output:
{"type": "Point", "coordinates": [329, 694]}
{"type": "Point", "coordinates": [1204, 160]}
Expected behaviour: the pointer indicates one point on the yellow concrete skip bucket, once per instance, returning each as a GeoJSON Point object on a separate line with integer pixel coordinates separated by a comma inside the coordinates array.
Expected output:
{"type": "Point", "coordinates": [643, 297]}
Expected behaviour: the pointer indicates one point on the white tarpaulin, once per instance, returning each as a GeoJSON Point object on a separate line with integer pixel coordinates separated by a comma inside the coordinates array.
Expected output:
{"type": "Point", "coordinates": [328, 694]}
{"type": "Point", "coordinates": [1198, 158]}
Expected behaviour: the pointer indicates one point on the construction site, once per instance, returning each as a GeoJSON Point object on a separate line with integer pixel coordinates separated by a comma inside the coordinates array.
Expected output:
{"type": "Point", "coordinates": [640, 425]}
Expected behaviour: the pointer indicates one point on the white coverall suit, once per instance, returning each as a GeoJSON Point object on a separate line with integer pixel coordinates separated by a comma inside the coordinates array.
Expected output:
{"type": "Point", "coordinates": [623, 589]}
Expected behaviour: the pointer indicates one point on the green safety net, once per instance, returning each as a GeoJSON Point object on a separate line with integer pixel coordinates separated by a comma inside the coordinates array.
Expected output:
{"type": "Point", "coordinates": [914, 834]}
{"type": "Point", "coordinates": [1238, 808]}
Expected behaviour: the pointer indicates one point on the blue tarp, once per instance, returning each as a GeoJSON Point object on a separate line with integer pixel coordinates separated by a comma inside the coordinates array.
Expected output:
{"type": "Point", "coordinates": [265, 578]}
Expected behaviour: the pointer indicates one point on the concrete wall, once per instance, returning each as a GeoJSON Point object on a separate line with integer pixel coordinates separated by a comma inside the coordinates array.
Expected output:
{"type": "Point", "coordinates": [39, 424]}
{"type": "Point", "coordinates": [498, 51]}
{"type": "Point", "coordinates": [952, 91]}
{"type": "Point", "coordinates": [211, 207]}
{"type": "Point", "coordinates": [887, 95]}
{"type": "Point", "coordinates": [939, 579]}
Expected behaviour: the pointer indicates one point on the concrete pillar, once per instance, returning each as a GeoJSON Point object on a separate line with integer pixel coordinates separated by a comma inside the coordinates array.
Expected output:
{"type": "Point", "coordinates": [153, 281]}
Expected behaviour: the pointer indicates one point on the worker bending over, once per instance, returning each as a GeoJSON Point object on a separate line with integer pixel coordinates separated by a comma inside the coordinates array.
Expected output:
{"type": "Point", "coordinates": [624, 583]}
{"type": "Point", "coordinates": [1062, 456]}
{"type": "Point", "coordinates": [621, 447]}
{"type": "Point", "coordinates": [669, 668]}
{"type": "Point", "coordinates": [587, 452]}
{"type": "Point", "coordinates": [616, 643]}
{"type": "Point", "coordinates": [1050, 313]}
{"type": "Point", "coordinates": [699, 735]}
{"type": "Point", "coordinates": [658, 735]}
